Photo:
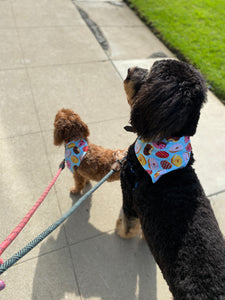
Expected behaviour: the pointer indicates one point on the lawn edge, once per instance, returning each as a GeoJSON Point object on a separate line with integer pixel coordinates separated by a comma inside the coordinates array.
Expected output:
{"type": "Point", "coordinates": [174, 50]}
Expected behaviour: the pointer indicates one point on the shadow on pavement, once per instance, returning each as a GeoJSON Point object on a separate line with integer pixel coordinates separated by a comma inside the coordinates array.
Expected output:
{"type": "Point", "coordinates": [105, 266]}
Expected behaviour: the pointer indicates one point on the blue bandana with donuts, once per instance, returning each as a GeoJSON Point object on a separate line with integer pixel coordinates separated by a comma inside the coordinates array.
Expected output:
{"type": "Point", "coordinates": [159, 158]}
{"type": "Point", "coordinates": [74, 153]}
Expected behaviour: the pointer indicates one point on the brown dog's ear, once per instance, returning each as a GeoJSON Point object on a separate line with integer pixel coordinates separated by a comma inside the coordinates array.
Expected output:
{"type": "Point", "coordinates": [59, 132]}
{"type": "Point", "coordinates": [81, 129]}
{"type": "Point", "coordinates": [68, 127]}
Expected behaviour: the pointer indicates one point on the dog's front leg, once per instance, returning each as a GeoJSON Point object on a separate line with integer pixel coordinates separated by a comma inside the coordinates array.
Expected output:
{"type": "Point", "coordinates": [128, 227]}
{"type": "Point", "coordinates": [80, 183]}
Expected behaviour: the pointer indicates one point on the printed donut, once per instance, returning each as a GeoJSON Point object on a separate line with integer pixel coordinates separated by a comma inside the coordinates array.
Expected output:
{"type": "Point", "coordinates": [72, 145]}
{"type": "Point", "coordinates": [67, 153]}
{"type": "Point", "coordinates": [152, 163]}
{"type": "Point", "coordinates": [176, 148]}
{"type": "Point", "coordinates": [141, 159]}
{"type": "Point", "coordinates": [186, 157]}
{"type": "Point", "coordinates": [74, 159]}
{"type": "Point", "coordinates": [177, 160]}
{"type": "Point", "coordinates": [81, 143]}
{"type": "Point", "coordinates": [159, 145]}
{"type": "Point", "coordinates": [159, 174]}
{"type": "Point", "coordinates": [76, 150]}
{"type": "Point", "coordinates": [68, 163]}
{"type": "Point", "coordinates": [186, 139]}
{"type": "Point", "coordinates": [165, 164]}
{"type": "Point", "coordinates": [162, 154]}
{"type": "Point", "coordinates": [85, 149]}
{"type": "Point", "coordinates": [188, 147]}
{"type": "Point", "coordinates": [149, 171]}
{"type": "Point", "coordinates": [148, 149]}
{"type": "Point", "coordinates": [174, 139]}
{"type": "Point", "coordinates": [137, 148]}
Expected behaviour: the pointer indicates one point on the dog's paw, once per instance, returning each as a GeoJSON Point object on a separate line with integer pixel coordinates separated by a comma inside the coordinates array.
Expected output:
{"type": "Point", "coordinates": [74, 191]}
{"type": "Point", "coordinates": [123, 233]}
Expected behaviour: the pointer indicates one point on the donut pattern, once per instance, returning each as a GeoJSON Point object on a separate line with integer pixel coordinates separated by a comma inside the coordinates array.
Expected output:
{"type": "Point", "coordinates": [74, 153]}
{"type": "Point", "coordinates": [164, 156]}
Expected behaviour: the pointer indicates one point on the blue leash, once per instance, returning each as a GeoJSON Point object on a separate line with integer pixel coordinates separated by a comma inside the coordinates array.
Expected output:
{"type": "Point", "coordinates": [11, 261]}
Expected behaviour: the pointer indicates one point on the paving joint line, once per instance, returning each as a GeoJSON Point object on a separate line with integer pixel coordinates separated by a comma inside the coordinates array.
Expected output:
{"type": "Point", "coordinates": [216, 193]}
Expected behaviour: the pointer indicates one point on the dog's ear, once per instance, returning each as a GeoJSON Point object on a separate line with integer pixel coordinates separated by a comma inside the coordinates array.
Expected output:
{"type": "Point", "coordinates": [169, 102]}
{"type": "Point", "coordinates": [68, 126]}
{"type": "Point", "coordinates": [62, 131]}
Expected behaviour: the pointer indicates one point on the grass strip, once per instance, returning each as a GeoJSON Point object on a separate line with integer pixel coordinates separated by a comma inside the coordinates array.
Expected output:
{"type": "Point", "coordinates": [194, 30]}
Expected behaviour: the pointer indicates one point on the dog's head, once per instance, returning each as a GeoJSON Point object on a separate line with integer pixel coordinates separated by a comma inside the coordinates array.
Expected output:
{"type": "Point", "coordinates": [165, 101]}
{"type": "Point", "coordinates": [69, 126]}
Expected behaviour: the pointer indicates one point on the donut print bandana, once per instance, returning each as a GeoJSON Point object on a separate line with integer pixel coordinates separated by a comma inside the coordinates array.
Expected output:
{"type": "Point", "coordinates": [74, 153]}
{"type": "Point", "coordinates": [163, 156]}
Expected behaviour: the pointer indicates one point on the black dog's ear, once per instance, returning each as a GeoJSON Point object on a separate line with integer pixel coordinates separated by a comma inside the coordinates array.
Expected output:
{"type": "Point", "coordinates": [169, 105]}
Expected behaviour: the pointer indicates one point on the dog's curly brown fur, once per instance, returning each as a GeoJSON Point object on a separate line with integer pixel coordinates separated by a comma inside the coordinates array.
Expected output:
{"type": "Point", "coordinates": [174, 213]}
{"type": "Point", "coordinates": [98, 161]}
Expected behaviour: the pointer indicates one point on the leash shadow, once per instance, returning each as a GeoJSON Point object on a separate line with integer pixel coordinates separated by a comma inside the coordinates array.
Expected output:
{"type": "Point", "coordinates": [103, 266]}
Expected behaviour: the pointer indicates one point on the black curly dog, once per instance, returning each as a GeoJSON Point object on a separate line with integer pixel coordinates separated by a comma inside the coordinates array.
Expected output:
{"type": "Point", "coordinates": [174, 213]}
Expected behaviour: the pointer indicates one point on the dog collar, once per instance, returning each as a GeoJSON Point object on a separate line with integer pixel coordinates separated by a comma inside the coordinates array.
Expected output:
{"type": "Point", "coordinates": [74, 153]}
{"type": "Point", "coordinates": [164, 156]}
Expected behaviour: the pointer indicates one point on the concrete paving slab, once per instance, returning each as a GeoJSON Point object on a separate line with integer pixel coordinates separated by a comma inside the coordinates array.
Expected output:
{"type": "Point", "coordinates": [11, 55]}
{"type": "Point", "coordinates": [6, 15]}
{"type": "Point", "coordinates": [132, 42]}
{"type": "Point", "coordinates": [111, 268]}
{"type": "Point", "coordinates": [61, 45]}
{"type": "Point", "coordinates": [218, 204]}
{"type": "Point", "coordinates": [25, 175]}
{"type": "Point", "coordinates": [208, 145]}
{"type": "Point", "coordinates": [31, 13]}
{"type": "Point", "coordinates": [48, 277]}
{"type": "Point", "coordinates": [93, 90]}
{"type": "Point", "coordinates": [109, 14]}
{"type": "Point", "coordinates": [97, 215]}
{"type": "Point", "coordinates": [18, 113]}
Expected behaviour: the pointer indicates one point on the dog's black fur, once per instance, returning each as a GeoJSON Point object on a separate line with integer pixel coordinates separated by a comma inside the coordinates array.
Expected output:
{"type": "Point", "coordinates": [176, 217]}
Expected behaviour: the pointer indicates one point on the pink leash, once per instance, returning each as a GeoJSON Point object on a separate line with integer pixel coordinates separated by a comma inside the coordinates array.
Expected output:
{"type": "Point", "coordinates": [4, 245]}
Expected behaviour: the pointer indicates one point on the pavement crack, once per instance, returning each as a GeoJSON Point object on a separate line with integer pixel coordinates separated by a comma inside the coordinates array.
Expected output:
{"type": "Point", "coordinates": [158, 55]}
{"type": "Point", "coordinates": [94, 28]}
{"type": "Point", "coordinates": [116, 3]}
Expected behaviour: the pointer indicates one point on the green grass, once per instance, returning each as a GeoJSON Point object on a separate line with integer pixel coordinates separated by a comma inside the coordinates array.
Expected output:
{"type": "Point", "coordinates": [194, 29]}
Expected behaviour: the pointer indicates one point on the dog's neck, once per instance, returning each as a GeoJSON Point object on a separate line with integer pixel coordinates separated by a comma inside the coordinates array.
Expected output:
{"type": "Point", "coordinates": [75, 138]}
{"type": "Point", "coordinates": [75, 151]}
{"type": "Point", "coordinates": [159, 158]}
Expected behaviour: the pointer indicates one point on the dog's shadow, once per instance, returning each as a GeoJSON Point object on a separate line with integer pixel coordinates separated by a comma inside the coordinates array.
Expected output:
{"type": "Point", "coordinates": [105, 266]}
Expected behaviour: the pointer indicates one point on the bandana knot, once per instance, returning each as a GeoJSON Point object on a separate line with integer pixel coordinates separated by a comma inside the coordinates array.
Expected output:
{"type": "Point", "coordinates": [74, 153]}
{"type": "Point", "coordinates": [161, 157]}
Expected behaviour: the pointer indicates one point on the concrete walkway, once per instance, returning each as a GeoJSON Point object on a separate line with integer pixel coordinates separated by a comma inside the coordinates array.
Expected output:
{"type": "Point", "coordinates": [49, 59]}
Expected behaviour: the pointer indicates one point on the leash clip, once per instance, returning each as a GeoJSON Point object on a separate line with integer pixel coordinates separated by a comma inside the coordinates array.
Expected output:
{"type": "Point", "coordinates": [62, 164]}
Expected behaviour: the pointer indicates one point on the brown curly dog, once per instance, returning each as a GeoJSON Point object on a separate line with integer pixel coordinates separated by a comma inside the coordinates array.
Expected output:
{"type": "Point", "coordinates": [97, 161]}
